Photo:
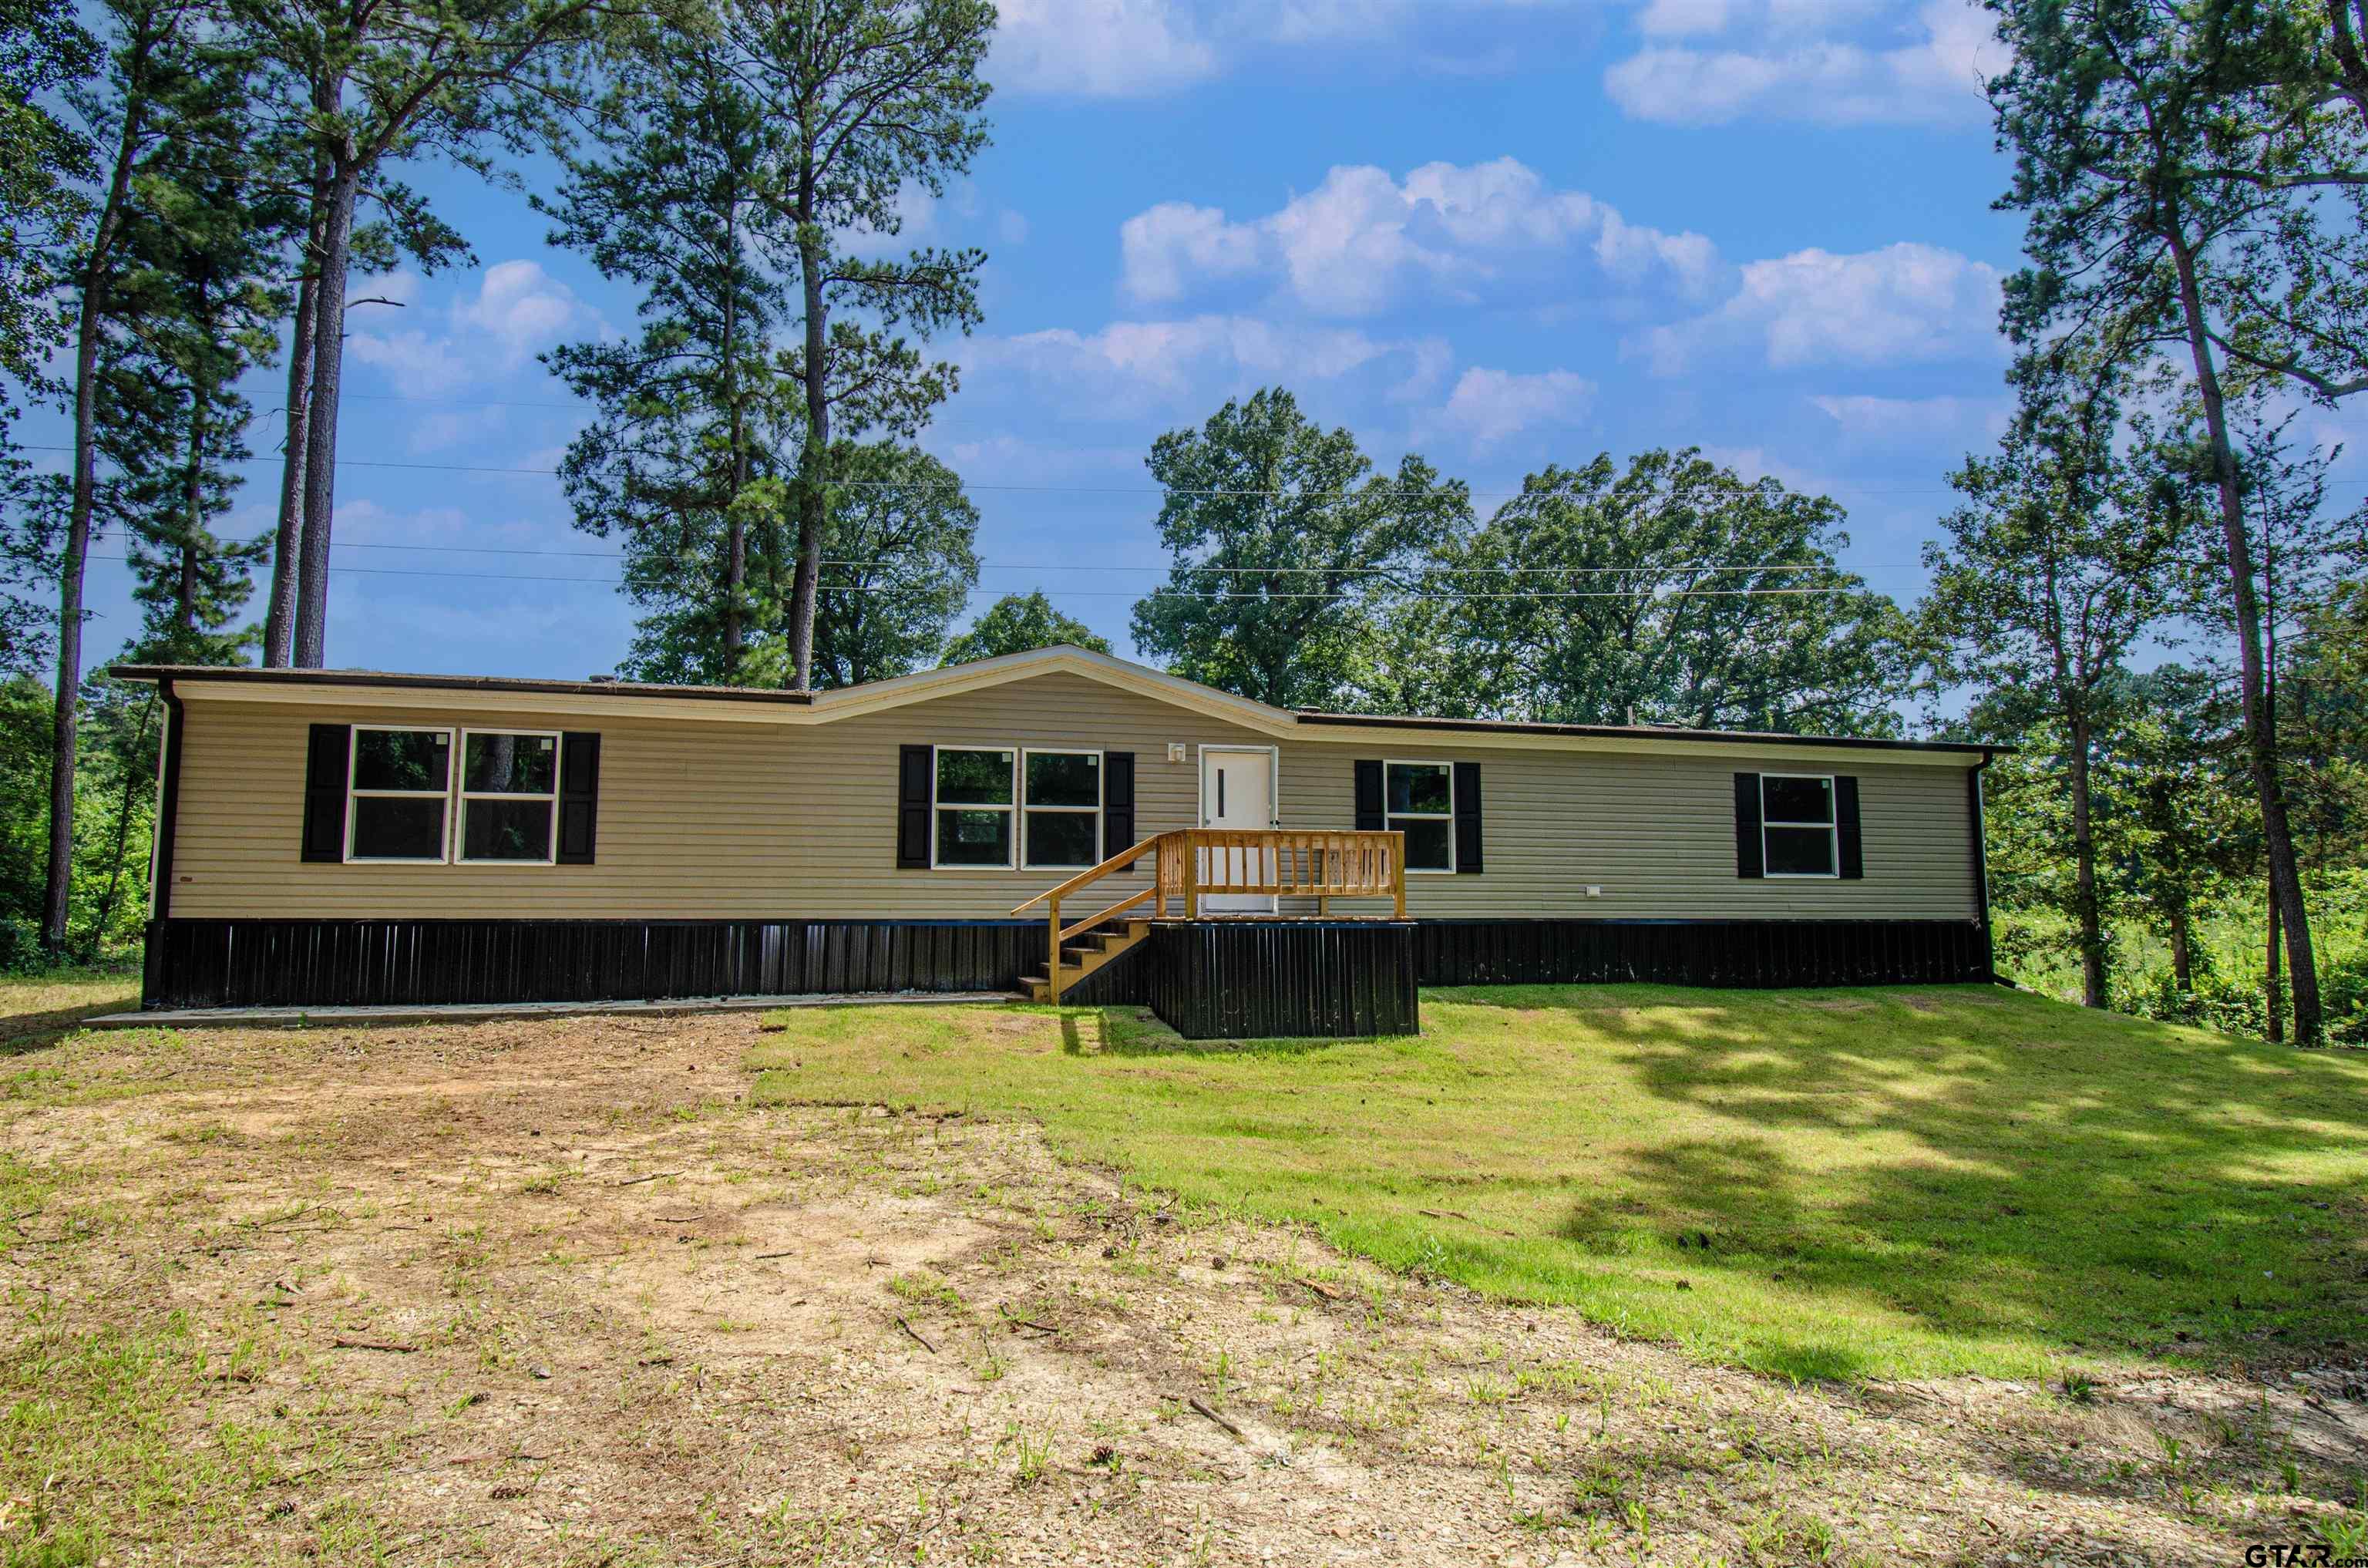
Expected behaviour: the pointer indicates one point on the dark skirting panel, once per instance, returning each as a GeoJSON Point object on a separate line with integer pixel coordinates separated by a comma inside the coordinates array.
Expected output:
{"type": "Point", "coordinates": [325, 963]}
{"type": "Point", "coordinates": [1213, 979]}
{"type": "Point", "coordinates": [1260, 979]}
{"type": "Point", "coordinates": [1743, 953]}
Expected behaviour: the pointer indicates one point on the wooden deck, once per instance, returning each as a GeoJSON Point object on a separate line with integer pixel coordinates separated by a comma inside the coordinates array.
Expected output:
{"type": "Point", "coordinates": [1192, 864]}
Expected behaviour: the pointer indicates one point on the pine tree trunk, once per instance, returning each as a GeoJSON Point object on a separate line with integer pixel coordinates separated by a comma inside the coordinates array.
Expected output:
{"type": "Point", "coordinates": [66, 730]}
{"type": "Point", "coordinates": [2182, 948]}
{"type": "Point", "coordinates": [812, 500]}
{"type": "Point", "coordinates": [2272, 983]}
{"type": "Point", "coordinates": [123, 827]}
{"type": "Point", "coordinates": [735, 523]}
{"type": "Point", "coordinates": [321, 433]}
{"type": "Point", "coordinates": [287, 545]}
{"type": "Point", "coordinates": [2261, 733]}
{"type": "Point", "coordinates": [66, 727]}
{"type": "Point", "coordinates": [2085, 907]}
{"type": "Point", "coordinates": [193, 516]}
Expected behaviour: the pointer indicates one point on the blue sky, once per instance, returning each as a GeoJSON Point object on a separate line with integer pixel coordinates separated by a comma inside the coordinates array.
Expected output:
{"type": "Point", "coordinates": [1501, 232]}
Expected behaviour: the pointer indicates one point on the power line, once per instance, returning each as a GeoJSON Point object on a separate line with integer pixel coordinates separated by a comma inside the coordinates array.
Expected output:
{"type": "Point", "coordinates": [1101, 592]}
{"type": "Point", "coordinates": [1671, 568]}
{"type": "Point", "coordinates": [1137, 490]}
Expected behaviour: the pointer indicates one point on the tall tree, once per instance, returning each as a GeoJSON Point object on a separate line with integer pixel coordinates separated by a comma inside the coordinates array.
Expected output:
{"type": "Point", "coordinates": [899, 563]}
{"type": "Point", "coordinates": [404, 230]}
{"type": "Point", "coordinates": [2190, 811]}
{"type": "Point", "coordinates": [678, 196]}
{"type": "Point", "coordinates": [877, 98]}
{"type": "Point", "coordinates": [2125, 132]}
{"type": "Point", "coordinates": [1673, 591]}
{"type": "Point", "coordinates": [2058, 566]}
{"type": "Point", "coordinates": [1017, 623]}
{"type": "Point", "coordinates": [199, 306]}
{"type": "Point", "coordinates": [157, 67]}
{"type": "Point", "coordinates": [44, 158]}
{"type": "Point", "coordinates": [383, 81]}
{"type": "Point", "coordinates": [1283, 540]}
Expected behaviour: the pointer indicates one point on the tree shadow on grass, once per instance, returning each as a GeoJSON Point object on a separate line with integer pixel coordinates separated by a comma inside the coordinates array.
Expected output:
{"type": "Point", "coordinates": [21, 1032]}
{"type": "Point", "coordinates": [1140, 1032]}
{"type": "Point", "coordinates": [1989, 1165]}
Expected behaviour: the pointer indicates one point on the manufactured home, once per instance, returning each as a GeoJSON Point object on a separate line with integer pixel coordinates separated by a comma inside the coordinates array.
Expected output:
{"type": "Point", "coordinates": [1057, 820]}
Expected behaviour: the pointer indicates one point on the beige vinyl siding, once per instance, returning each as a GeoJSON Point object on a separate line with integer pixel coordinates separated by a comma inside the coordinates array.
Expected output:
{"type": "Point", "coordinates": [1656, 833]}
{"type": "Point", "coordinates": [697, 819]}
{"type": "Point", "coordinates": [701, 818]}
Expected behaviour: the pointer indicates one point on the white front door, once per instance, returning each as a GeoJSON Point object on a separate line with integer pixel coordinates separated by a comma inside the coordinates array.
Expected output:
{"type": "Point", "coordinates": [1236, 791]}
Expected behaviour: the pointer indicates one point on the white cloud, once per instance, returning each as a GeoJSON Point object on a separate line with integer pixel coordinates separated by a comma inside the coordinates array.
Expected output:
{"type": "Point", "coordinates": [1927, 67]}
{"type": "Point", "coordinates": [1361, 239]}
{"type": "Point", "coordinates": [1141, 366]}
{"type": "Point", "coordinates": [1901, 304]}
{"type": "Point", "coordinates": [1863, 418]}
{"type": "Point", "coordinates": [517, 311]}
{"type": "Point", "coordinates": [1097, 48]}
{"type": "Point", "coordinates": [1488, 406]}
{"type": "Point", "coordinates": [1167, 248]}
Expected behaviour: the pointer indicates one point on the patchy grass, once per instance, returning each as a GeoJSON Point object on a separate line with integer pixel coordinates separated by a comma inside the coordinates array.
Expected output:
{"type": "Point", "coordinates": [1830, 1183]}
{"type": "Point", "coordinates": [37, 1006]}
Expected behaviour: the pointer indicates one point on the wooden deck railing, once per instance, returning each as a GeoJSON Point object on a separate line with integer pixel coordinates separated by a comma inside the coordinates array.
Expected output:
{"type": "Point", "coordinates": [1193, 862]}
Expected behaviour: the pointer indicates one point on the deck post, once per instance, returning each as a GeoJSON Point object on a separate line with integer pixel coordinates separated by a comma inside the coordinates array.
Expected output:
{"type": "Point", "coordinates": [1054, 934]}
{"type": "Point", "coordinates": [1397, 872]}
{"type": "Point", "coordinates": [1192, 876]}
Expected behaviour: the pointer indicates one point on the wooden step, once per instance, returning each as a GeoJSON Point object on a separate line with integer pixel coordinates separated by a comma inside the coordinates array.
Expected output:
{"type": "Point", "coordinates": [1086, 954]}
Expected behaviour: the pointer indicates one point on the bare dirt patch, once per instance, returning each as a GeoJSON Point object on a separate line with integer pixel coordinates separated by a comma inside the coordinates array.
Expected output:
{"type": "Point", "coordinates": [552, 1291]}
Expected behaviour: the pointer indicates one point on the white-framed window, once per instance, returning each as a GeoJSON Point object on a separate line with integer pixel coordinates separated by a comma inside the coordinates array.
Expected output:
{"type": "Point", "coordinates": [1796, 825]}
{"type": "Point", "coordinates": [399, 794]}
{"type": "Point", "coordinates": [973, 804]}
{"type": "Point", "coordinates": [1418, 800]}
{"type": "Point", "coordinates": [509, 796]}
{"type": "Point", "coordinates": [1060, 809]}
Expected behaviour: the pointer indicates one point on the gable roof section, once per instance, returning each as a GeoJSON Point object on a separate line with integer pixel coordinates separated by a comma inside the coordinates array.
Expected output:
{"type": "Point", "coordinates": [764, 705]}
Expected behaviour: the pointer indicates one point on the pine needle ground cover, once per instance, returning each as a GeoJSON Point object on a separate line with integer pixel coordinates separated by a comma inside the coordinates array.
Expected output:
{"type": "Point", "coordinates": [1833, 1183]}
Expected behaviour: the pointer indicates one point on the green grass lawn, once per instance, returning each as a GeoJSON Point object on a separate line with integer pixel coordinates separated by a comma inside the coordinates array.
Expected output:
{"type": "Point", "coordinates": [1820, 1183]}
{"type": "Point", "coordinates": [39, 1006]}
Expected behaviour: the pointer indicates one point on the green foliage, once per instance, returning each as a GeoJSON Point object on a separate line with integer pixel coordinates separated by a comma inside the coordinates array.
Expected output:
{"type": "Point", "coordinates": [684, 459]}
{"type": "Point", "coordinates": [1674, 591]}
{"type": "Point", "coordinates": [877, 97]}
{"type": "Point", "coordinates": [44, 46]}
{"type": "Point", "coordinates": [900, 560]}
{"type": "Point", "coordinates": [1017, 622]}
{"type": "Point", "coordinates": [114, 809]}
{"type": "Point", "coordinates": [1283, 540]}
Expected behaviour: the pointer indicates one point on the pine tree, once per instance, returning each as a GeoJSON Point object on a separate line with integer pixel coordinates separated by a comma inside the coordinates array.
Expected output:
{"type": "Point", "coordinates": [372, 85]}
{"type": "Point", "coordinates": [876, 97]}
{"type": "Point", "coordinates": [684, 459]}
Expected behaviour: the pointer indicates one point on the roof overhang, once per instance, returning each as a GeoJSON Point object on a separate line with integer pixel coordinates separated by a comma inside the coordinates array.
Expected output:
{"type": "Point", "coordinates": [381, 690]}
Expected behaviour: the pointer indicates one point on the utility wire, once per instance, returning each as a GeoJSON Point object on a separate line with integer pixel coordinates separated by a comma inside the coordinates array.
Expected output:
{"type": "Point", "coordinates": [1220, 570]}
{"type": "Point", "coordinates": [1048, 489]}
{"type": "Point", "coordinates": [1101, 592]}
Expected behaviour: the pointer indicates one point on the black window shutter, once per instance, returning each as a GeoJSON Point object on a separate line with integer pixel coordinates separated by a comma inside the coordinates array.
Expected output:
{"type": "Point", "coordinates": [1117, 802]}
{"type": "Point", "coordinates": [1371, 818]}
{"type": "Point", "coordinates": [913, 793]}
{"type": "Point", "coordinates": [325, 757]}
{"type": "Point", "coordinates": [1467, 817]}
{"type": "Point", "coordinates": [1853, 857]}
{"type": "Point", "coordinates": [579, 796]}
{"type": "Point", "coordinates": [1750, 855]}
